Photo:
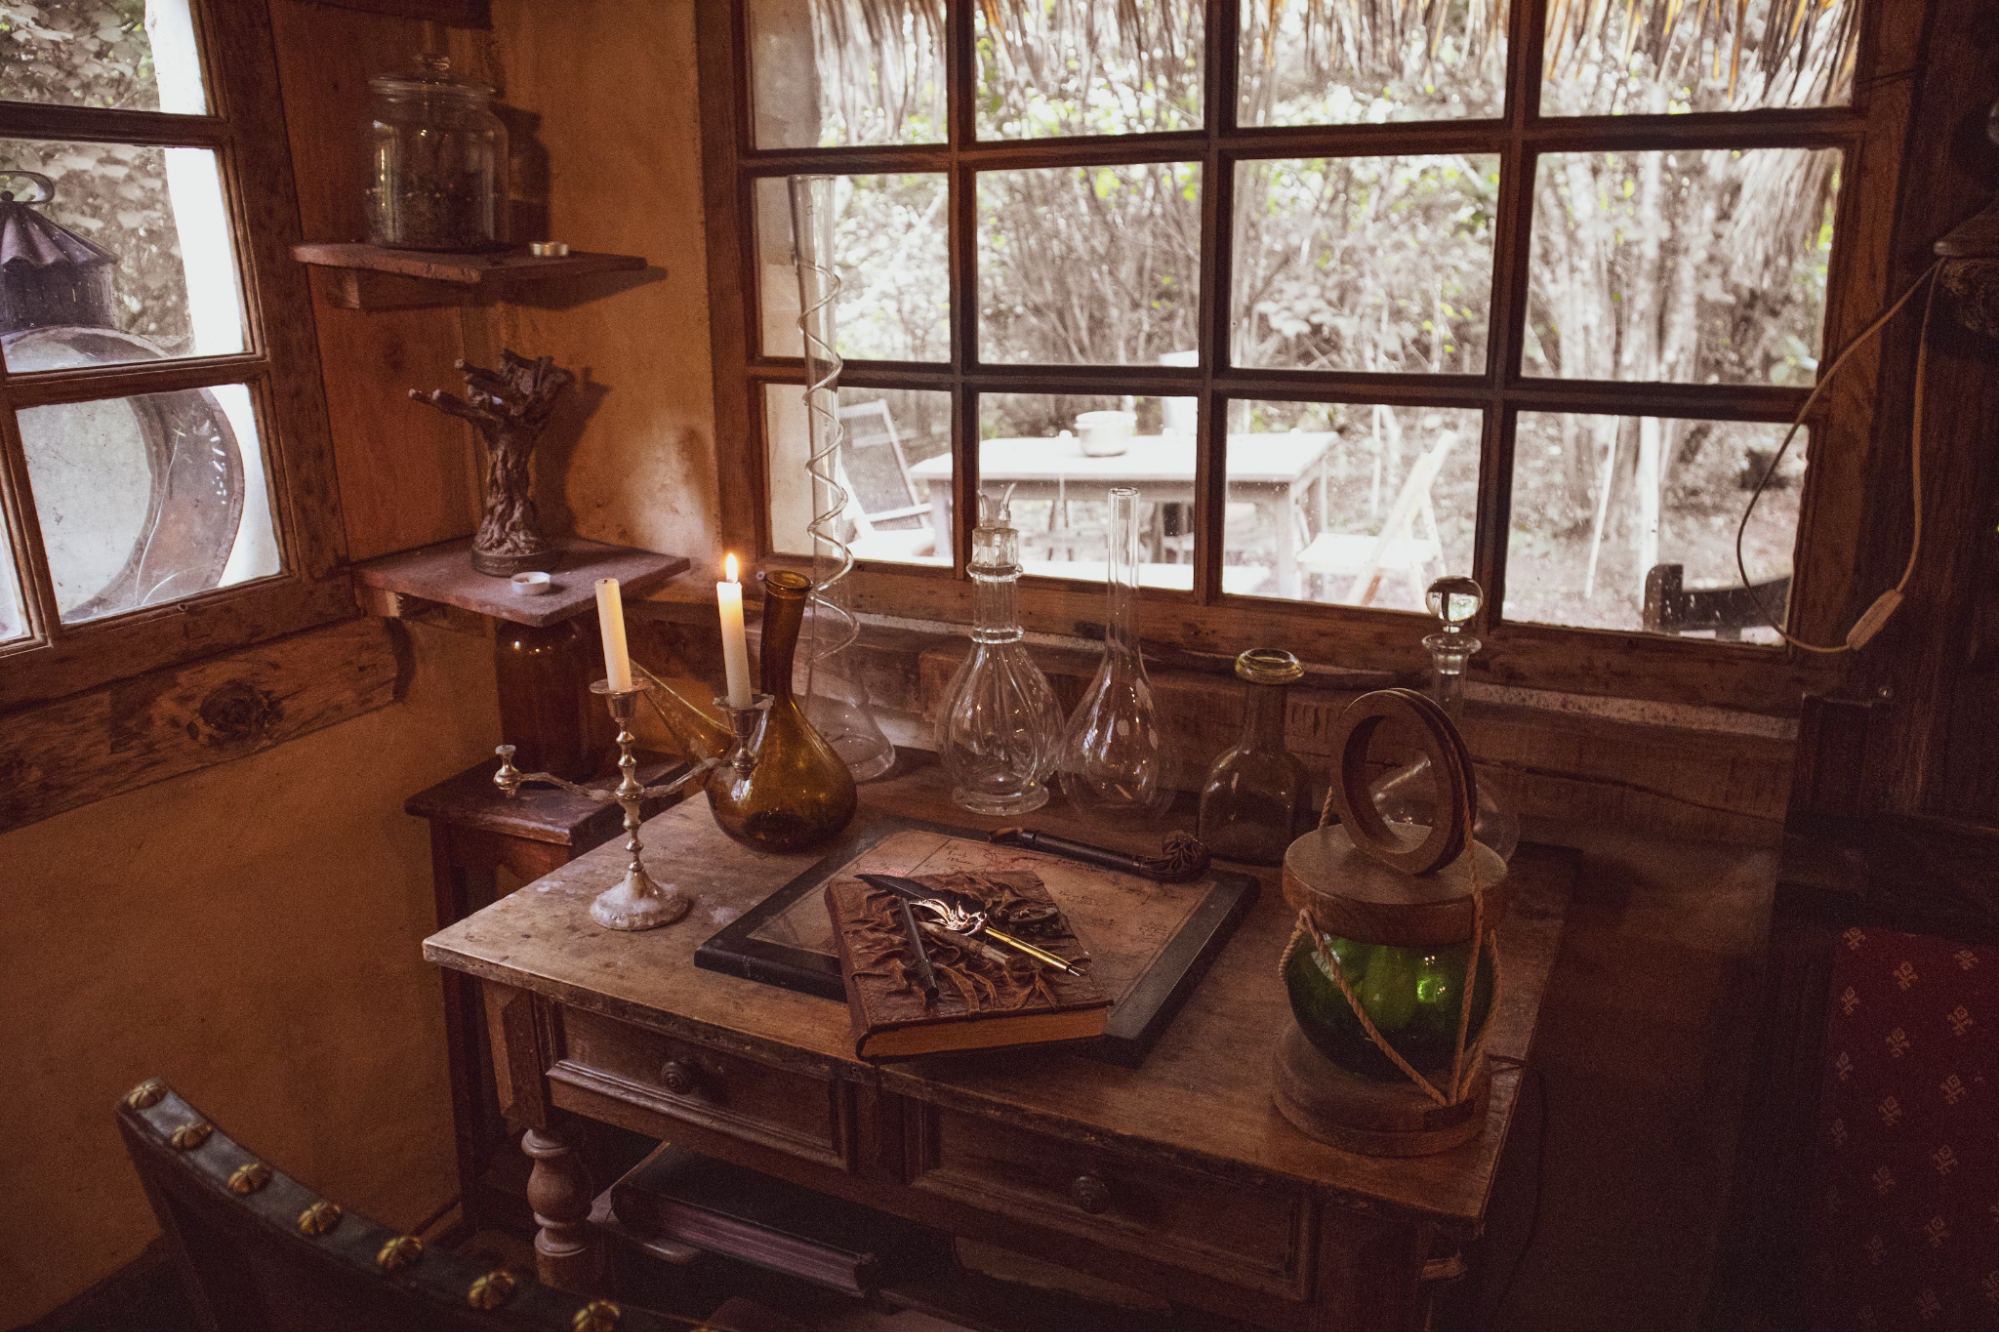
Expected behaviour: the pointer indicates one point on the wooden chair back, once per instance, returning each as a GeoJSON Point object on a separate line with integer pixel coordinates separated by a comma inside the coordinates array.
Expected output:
{"type": "Point", "coordinates": [257, 1249]}
{"type": "Point", "coordinates": [1673, 608]}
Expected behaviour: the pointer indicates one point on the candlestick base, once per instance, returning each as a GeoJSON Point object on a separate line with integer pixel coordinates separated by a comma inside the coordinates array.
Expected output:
{"type": "Point", "coordinates": [637, 902]}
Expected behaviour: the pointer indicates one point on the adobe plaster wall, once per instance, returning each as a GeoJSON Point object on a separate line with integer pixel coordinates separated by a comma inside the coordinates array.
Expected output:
{"type": "Point", "coordinates": [251, 933]}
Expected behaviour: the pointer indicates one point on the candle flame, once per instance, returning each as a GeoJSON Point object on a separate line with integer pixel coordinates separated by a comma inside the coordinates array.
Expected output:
{"type": "Point", "coordinates": [730, 569]}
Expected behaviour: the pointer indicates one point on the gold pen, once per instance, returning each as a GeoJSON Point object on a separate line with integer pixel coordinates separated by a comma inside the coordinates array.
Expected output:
{"type": "Point", "coordinates": [1042, 955]}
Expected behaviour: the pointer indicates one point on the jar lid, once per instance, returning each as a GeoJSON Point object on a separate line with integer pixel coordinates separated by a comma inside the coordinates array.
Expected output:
{"type": "Point", "coordinates": [1269, 666]}
{"type": "Point", "coordinates": [430, 78]}
{"type": "Point", "coordinates": [1354, 896]}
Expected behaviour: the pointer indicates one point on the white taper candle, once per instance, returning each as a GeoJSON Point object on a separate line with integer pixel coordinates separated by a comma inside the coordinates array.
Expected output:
{"type": "Point", "coordinates": [611, 619]}
{"type": "Point", "coordinates": [735, 645]}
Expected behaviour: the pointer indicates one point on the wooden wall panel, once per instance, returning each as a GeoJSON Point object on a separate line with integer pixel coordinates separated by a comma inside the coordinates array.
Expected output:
{"type": "Point", "coordinates": [405, 471]}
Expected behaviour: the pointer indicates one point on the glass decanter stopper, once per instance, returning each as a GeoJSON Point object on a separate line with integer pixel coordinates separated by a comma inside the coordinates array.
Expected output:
{"type": "Point", "coordinates": [1254, 797]}
{"type": "Point", "coordinates": [1112, 766]}
{"type": "Point", "coordinates": [1000, 730]}
{"type": "Point", "coordinates": [1408, 794]}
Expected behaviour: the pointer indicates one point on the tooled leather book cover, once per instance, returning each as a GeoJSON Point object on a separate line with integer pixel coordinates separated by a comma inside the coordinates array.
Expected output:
{"type": "Point", "coordinates": [987, 996]}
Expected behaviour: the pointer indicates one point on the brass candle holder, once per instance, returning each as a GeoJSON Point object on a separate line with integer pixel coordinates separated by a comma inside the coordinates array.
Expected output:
{"type": "Point", "coordinates": [636, 902]}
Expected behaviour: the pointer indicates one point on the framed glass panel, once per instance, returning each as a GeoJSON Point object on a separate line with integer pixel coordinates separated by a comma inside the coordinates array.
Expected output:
{"type": "Point", "coordinates": [1368, 64]}
{"type": "Point", "coordinates": [131, 55]}
{"type": "Point", "coordinates": [148, 499]}
{"type": "Point", "coordinates": [1688, 267]}
{"type": "Point", "coordinates": [1600, 502]}
{"type": "Point", "coordinates": [13, 614]}
{"type": "Point", "coordinates": [1364, 263]}
{"type": "Point", "coordinates": [1353, 503]}
{"type": "Point", "coordinates": [1070, 67]}
{"type": "Point", "coordinates": [1606, 59]}
{"type": "Point", "coordinates": [889, 240]}
{"type": "Point", "coordinates": [826, 73]}
{"type": "Point", "coordinates": [135, 248]}
{"type": "Point", "coordinates": [1059, 455]}
{"type": "Point", "coordinates": [1090, 265]}
{"type": "Point", "coordinates": [895, 464]}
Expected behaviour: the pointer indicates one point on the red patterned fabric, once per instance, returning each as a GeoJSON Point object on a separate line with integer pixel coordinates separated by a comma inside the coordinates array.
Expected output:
{"type": "Point", "coordinates": [1905, 1207]}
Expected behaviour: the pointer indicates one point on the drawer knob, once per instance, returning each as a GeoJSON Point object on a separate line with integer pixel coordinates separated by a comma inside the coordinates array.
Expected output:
{"type": "Point", "coordinates": [1090, 1194]}
{"type": "Point", "coordinates": [681, 1078]}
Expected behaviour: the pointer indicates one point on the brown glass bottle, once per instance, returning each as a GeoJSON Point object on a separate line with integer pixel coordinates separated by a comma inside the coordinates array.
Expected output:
{"type": "Point", "coordinates": [799, 792]}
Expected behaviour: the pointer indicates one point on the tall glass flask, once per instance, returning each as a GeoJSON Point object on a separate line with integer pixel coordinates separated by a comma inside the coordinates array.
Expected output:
{"type": "Point", "coordinates": [1408, 794]}
{"type": "Point", "coordinates": [1253, 802]}
{"type": "Point", "coordinates": [1000, 729]}
{"type": "Point", "coordinates": [1112, 766]}
{"type": "Point", "coordinates": [835, 698]}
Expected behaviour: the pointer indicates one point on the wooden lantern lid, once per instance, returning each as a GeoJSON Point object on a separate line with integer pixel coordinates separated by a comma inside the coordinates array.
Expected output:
{"type": "Point", "coordinates": [1363, 880]}
{"type": "Point", "coordinates": [1352, 895]}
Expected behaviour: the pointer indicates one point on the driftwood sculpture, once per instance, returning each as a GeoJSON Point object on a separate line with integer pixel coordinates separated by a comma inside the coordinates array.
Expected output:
{"type": "Point", "coordinates": [509, 407]}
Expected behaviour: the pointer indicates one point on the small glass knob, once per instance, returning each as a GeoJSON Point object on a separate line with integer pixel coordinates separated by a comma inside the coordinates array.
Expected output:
{"type": "Point", "coordinates": [1454, 600]}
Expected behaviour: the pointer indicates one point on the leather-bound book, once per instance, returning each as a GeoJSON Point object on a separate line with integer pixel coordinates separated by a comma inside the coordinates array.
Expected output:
{"type": "Point", "coordinates": [988, 996]}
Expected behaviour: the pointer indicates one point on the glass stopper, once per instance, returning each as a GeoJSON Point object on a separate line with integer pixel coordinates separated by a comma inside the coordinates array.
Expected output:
{"type": "Point", "coordinates": [1454, 600]}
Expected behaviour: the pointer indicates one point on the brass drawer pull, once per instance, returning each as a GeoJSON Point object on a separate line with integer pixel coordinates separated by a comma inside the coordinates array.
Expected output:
{"type": "Point", "coordinates": [681, 1078]}
{"type": "Point", "coordinates": [1090, 1194]}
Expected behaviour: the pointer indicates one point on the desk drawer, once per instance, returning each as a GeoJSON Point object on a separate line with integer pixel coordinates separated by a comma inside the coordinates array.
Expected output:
{"type": "Point", "coordinates": [1254, 1236]}
{"type": "Point", "coordinates": [799, 1113]}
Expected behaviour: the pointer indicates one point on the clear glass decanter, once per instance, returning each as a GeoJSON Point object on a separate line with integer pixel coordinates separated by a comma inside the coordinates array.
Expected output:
{"type": "Point", "coordinates": [1254, 799]}
{"type": "Point", "coordinates": [1408, 794]}
{"type": "Point", "coordinates": [1113, 769]}
{"type": "Point", "coordinates": [1000, 730]}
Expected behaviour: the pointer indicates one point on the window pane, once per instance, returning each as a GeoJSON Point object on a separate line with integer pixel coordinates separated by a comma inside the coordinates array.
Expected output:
{"type": "Point", "coordinates": [895, 460]}
{"type": "Point", "coordinates": [832, 72]}
{"type": "Point", "coordinates": [895, 286]}
{"type": "Point", "coordinates": [1599, 501]}
{"type": "Point", "coordinates": [148, 257]}
{"type": "Point", "coordinates": [1354, 503]}
{"type": "Point", "coordinates": [1342, 63]}
{"type": "Point", "coordinates": [1090, 265]}
{"type": "Point", "coordinates": [1653, 58]}
{"type": "Point", "coordinates": [1690, 267]}
{"type": "Point", "coordinates": [135, 55]}
{"type": "Point", "coordinates": [1063, 67]}
{"type": "Point", "coordinates": [1036, 443]}
{"type": "Point", "coordinates": [1364, 263]}
{"type": "Point", "coordinates": [13, 616]}
{"type": "Point", "coordinates": [148, 499]}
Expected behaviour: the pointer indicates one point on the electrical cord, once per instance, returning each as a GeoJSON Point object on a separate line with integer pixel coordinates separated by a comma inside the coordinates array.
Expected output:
{"type": "Point", "coordinates": [1540, 1174]}
{"type": "Point", "coordinates": [1885, 605]}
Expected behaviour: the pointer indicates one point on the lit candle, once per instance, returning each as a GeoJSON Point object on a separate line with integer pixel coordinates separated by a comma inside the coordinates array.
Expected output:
{"type": "Point", "coordinates": [611, 619]}
{"type": "Point", "coordinates": [735, 647]}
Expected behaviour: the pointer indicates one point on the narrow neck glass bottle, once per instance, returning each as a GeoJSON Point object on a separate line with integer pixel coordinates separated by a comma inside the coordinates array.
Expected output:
{"type": "Point", "coordinates": [799, 792]}
{"type": "Point", "coordinates": [1000, 729]}
{"type": "Point", "coordinates": [1112, 766]}
{"type": "Point", "coordinates": [1253, 800]}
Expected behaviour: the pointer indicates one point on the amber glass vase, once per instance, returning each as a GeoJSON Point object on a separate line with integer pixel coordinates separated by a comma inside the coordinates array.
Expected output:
{"type": "Point", "coordinates": [798, 792]}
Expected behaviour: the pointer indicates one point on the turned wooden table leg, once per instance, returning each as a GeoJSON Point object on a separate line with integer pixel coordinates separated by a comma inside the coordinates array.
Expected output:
{"type": "Point", "coordinates": [567, 1254]}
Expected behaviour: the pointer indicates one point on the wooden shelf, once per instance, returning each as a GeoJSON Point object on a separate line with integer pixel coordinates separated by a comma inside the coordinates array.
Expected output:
{"type": "Point", "coordinates": [375, 277]}
{"type": "Point", "coordinates": [412, 582]}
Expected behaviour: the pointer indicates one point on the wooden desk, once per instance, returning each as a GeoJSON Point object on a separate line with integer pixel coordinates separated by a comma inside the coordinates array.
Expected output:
{"type": "Point", "coordinates": [1216, 1201]}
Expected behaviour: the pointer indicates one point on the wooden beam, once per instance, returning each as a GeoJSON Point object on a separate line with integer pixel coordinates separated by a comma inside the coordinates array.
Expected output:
{"type": "Point", "coordinates": [138, 731]}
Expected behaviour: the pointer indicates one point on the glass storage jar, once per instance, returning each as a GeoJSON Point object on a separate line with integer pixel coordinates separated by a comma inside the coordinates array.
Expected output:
{"type": "Point", "coordinates": [1254, 799]}
{"type": "Point", "coordinates": [437, 162]}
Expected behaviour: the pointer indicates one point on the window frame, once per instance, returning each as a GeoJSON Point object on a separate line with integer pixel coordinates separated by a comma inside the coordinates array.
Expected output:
{"type": "Point", "coordinates": [1870, 132]}
{"type": "Point", "coordinates": [245, 128]}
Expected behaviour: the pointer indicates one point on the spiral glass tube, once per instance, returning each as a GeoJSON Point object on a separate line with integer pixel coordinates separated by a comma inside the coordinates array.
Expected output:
{"type": "Point", "coordinates": [835, 701]}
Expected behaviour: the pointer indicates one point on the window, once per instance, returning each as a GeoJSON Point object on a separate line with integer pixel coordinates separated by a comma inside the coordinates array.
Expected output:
{"type": "Point", "coordinates": [163, 438]}
{"type": "Point", "coordinates": [1522, 288]}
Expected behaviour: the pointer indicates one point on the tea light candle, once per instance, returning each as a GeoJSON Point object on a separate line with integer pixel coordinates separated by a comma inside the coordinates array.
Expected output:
{"type": "Point", "coordinates": [735, 645]}
{"type": "Point", "coordinates": [611, 620]}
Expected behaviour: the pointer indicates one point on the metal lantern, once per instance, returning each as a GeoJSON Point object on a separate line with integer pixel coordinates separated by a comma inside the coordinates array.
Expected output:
{"type": "Point", "coordinates": [50, 276]}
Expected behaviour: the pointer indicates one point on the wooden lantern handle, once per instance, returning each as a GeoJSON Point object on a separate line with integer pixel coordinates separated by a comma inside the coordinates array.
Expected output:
{"type": "Point", "coordinates": [1450, 764]}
